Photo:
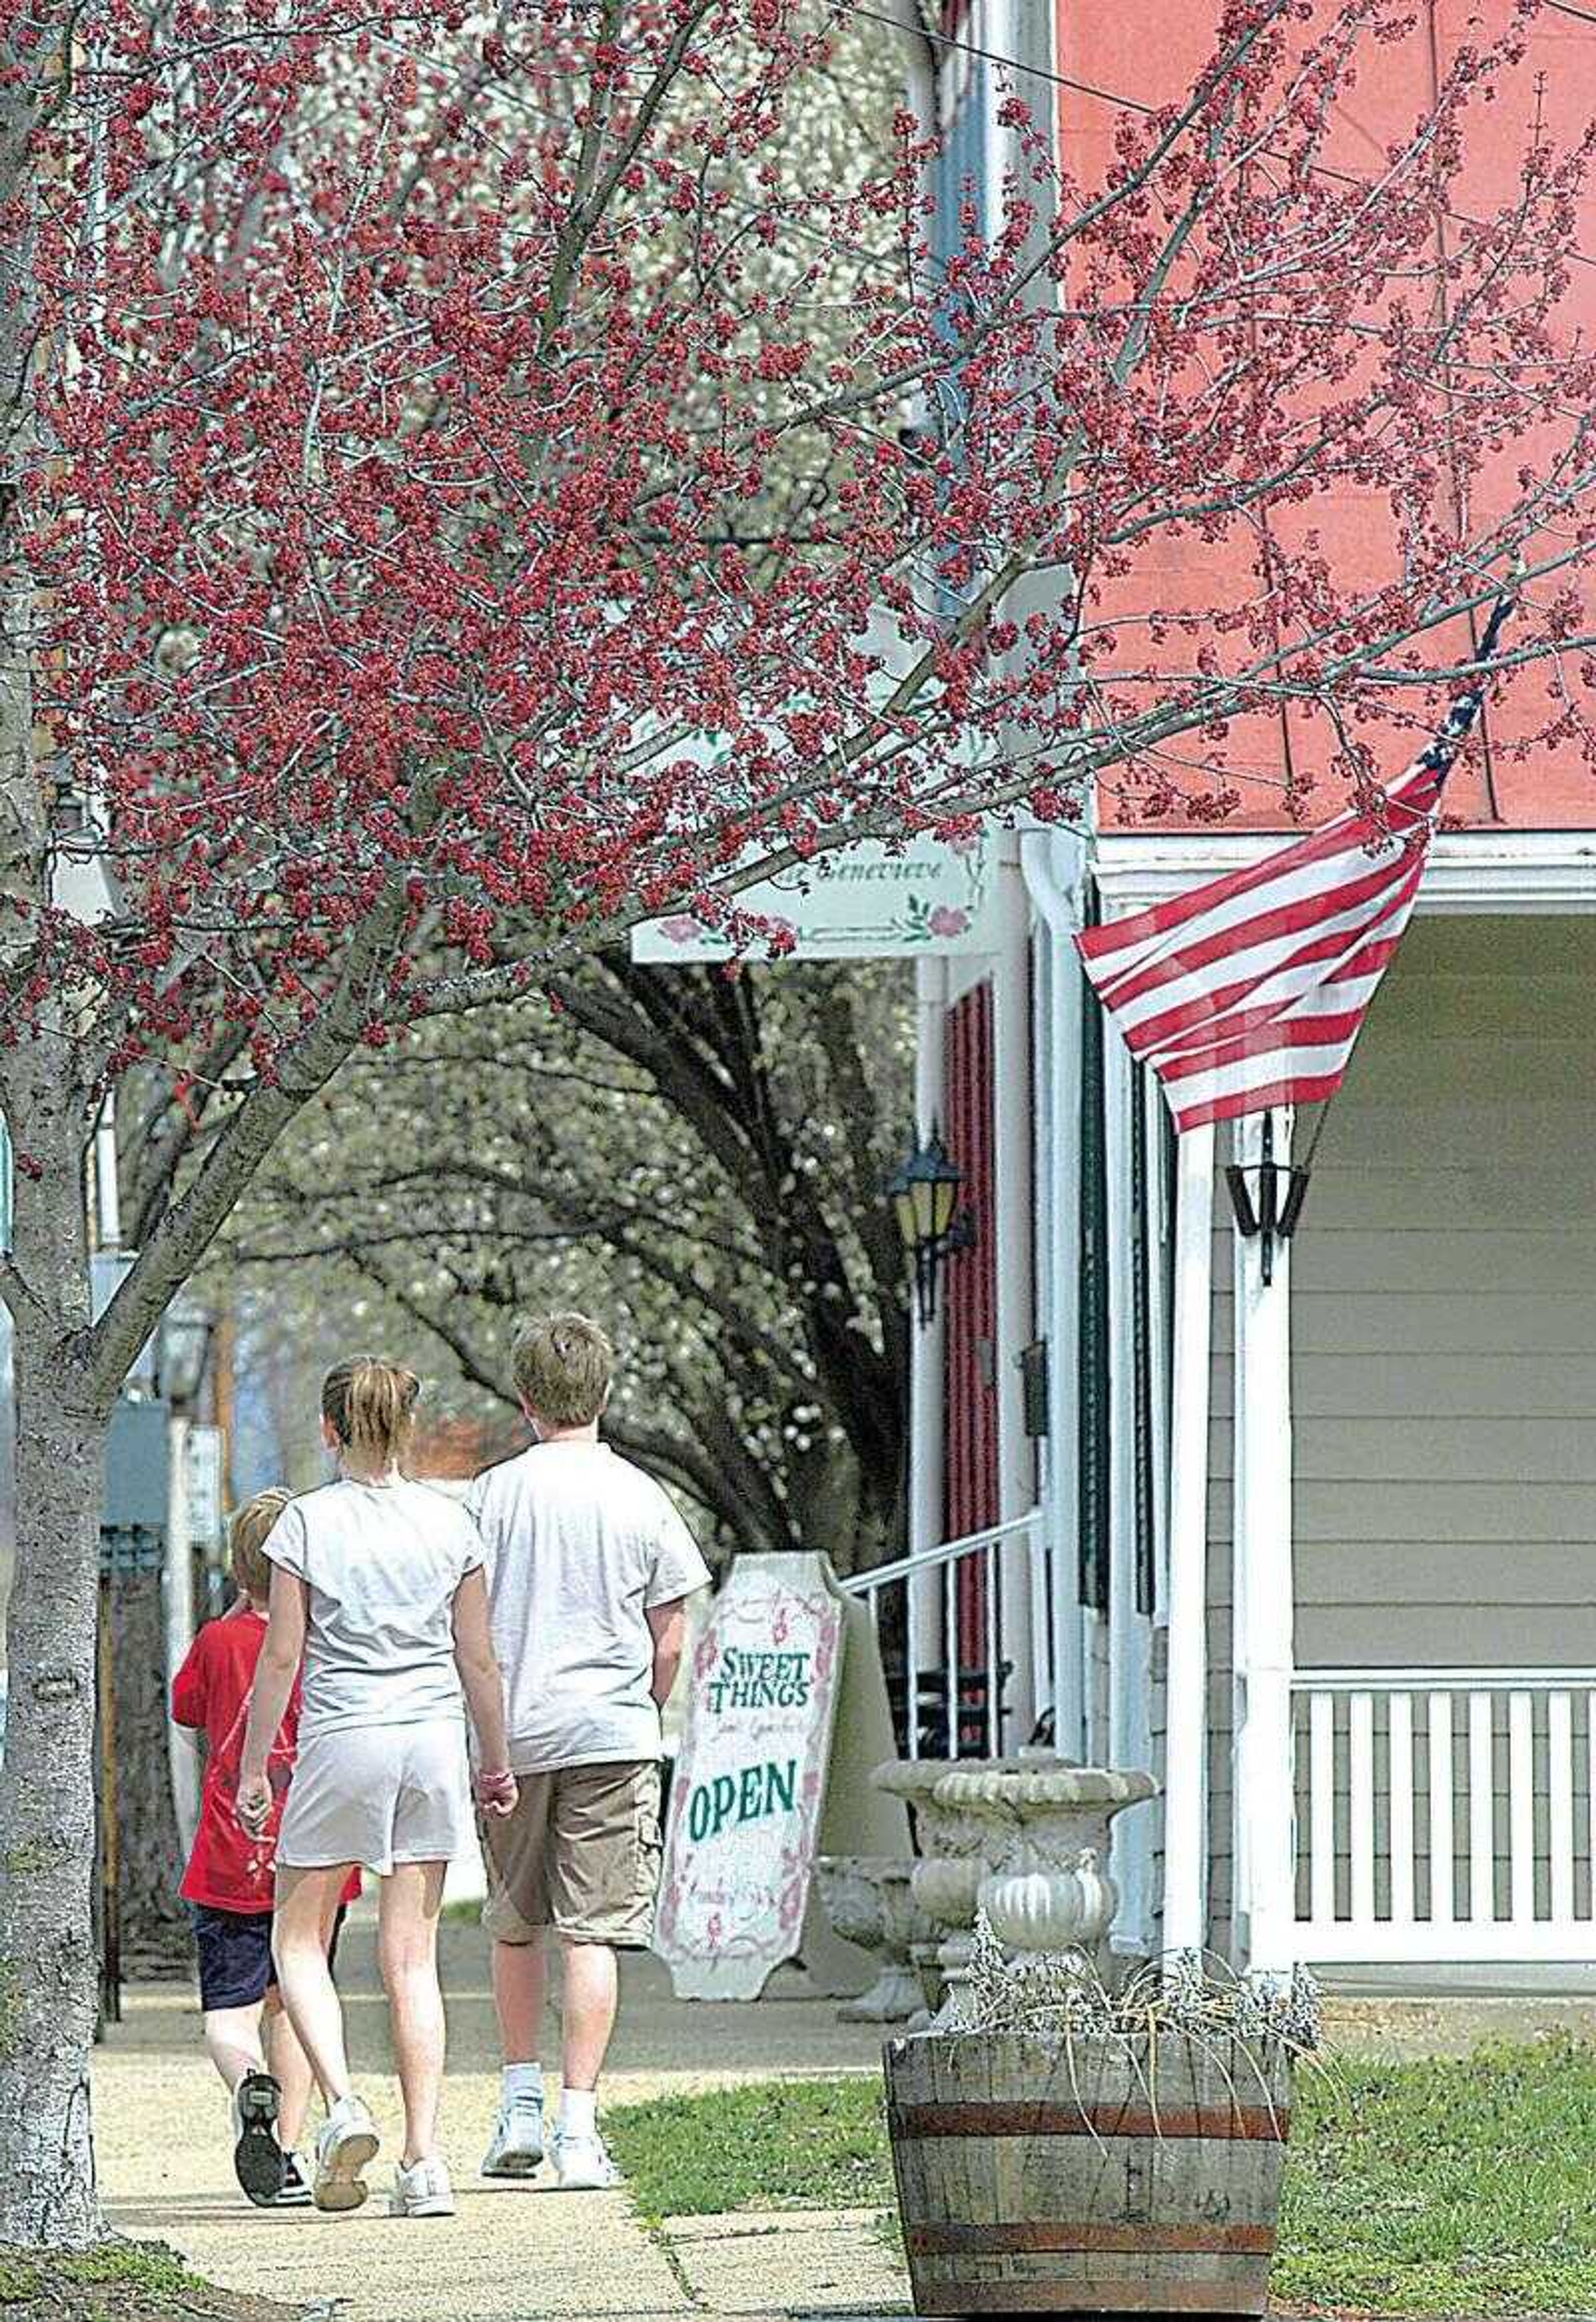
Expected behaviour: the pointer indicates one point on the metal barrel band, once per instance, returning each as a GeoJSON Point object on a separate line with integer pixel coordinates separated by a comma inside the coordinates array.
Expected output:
{"type": "Point", "coordinates": [1258, 2124]}
{"type": "Point", "coordinates": [1078, 2237]}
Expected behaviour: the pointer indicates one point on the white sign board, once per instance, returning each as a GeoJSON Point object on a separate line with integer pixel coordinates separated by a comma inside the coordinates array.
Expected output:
{"type": "Point", "coordinates": [866, 901]}
{"type": "Point", "coordinates": [750, 1781]}
{"type": "Point", "coordinates": [202, 1454]}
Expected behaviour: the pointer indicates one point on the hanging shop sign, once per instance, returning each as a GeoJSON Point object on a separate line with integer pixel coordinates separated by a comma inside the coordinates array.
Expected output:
{"type": "Point", "coordinates": [866, 901]}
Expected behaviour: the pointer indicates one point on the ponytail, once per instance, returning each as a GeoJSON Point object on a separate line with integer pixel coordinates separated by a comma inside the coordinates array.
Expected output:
{"type": "Point", "coordinates": [370, 1406]}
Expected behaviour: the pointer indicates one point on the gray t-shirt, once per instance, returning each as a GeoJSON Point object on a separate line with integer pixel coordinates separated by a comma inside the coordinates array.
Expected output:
{"type": "Point", "coordinates": [382, 1563]}
{"type": "Point", "coordinates": [581, 1545]}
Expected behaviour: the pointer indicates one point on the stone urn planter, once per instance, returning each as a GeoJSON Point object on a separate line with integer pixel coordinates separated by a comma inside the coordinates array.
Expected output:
{"type": "Point", "coordinates": [1044, 1840]}
{"type": "Point", "coordinates": [947, 1873]}
{"type": "Point", "coordinates": [869, 1901]}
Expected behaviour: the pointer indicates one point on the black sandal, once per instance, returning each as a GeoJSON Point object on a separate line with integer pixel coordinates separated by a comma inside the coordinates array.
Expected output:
{"type": "Point", "coordinates": [258, 2157]}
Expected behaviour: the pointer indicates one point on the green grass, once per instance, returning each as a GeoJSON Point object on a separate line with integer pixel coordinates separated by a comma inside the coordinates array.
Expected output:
{"type": "Point", "coordinates": [1445, 2188]}
{"type": "Point", "coordinates": [1420, 2188]}
{"type": "Point", "coordinates": [775, 2144]}
{"type": "Point", "coordinates": [147, 2269]}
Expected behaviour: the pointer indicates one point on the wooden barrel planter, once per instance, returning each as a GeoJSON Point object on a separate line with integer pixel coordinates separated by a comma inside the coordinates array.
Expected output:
{"type": "Point", "coordinates": [1037, 2175]}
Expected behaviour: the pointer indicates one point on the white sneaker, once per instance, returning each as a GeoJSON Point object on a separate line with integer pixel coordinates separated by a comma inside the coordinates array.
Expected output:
{"type": "Point", "coordinates": [515, 2148]}
{"type": "Point", "coordinates": [293, 2192]}
{"type": "Point", "coordinates": [422, 2191]}
{"type": "Point", "coordinates": [347, 2142]}
{"type": "Point", "coordinates": [582, 2165]}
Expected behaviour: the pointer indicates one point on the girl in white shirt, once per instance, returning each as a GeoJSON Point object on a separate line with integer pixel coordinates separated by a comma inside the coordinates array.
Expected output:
{"type": "Point", "coordinates": [378, 1583]}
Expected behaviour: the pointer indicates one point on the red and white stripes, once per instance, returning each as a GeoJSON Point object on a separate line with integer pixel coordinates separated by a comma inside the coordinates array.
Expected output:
{"type": "Point", "coordinates": [1250, 992]}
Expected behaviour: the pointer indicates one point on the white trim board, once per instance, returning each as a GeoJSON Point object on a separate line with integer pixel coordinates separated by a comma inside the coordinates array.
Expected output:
{"type": "Point", "coordinates": [1469, 870]}
{"type": "Point", "coordinates": [1453, 1942]}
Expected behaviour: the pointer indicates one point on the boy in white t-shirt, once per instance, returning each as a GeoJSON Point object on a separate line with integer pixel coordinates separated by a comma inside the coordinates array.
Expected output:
{"type": "Point", "coordinates": [589, 1565]}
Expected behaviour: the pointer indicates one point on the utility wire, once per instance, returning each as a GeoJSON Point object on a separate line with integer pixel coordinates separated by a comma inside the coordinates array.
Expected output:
{"type": "Point", "coordinates": [947, 40]}
{"type": "Point", "coordinates": [939, 40]}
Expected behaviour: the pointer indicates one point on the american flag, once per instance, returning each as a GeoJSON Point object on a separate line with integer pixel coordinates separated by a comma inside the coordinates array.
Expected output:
{"type": "Point", "coordinates": [1251, 991]}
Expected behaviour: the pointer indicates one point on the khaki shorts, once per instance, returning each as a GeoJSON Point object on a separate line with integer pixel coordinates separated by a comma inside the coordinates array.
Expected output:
{"type": "Point", "coordinates": [581, 1854]}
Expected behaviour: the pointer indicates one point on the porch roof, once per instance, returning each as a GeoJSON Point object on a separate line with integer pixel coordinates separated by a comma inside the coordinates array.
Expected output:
{"type": "Point", "coordinates": [1480, 871]}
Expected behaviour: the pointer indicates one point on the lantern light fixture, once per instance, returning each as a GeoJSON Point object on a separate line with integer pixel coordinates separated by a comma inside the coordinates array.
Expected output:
{"type": "Point", "coordinates": [1271, 1214]}
{"type": "Point", "coordinates": [182, 1351]}
{"type": "Point", "coordinates": [924, 1196]}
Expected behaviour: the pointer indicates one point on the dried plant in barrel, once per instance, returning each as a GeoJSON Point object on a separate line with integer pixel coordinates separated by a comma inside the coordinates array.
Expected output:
{"type": "Point", "coordinates": [1079, 2152]}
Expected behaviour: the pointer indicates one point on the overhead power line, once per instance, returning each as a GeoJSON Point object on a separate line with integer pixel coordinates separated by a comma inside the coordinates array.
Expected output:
{"type": "Point", "coordinates": [1032, 71]}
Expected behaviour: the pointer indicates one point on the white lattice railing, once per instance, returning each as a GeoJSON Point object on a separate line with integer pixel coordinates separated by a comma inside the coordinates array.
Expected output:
{"type": "Point", "coordinates": [1445, 1814]}
{"type": "Point", "coordinates": [939, 1617]}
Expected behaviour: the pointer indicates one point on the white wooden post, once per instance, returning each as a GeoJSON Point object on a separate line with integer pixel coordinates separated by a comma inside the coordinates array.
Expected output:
{"type": "Point", "coordinates": [1264, 1606]}
{"type": "Point", "coordinates": [1015, 1310]}
{"type": "Point", "coordinates": [1130, 1740]}
{"type": "Point", "coordinates": [178, 1602]}
{"type": "Point", "coordinates": [105, 1219]}
{"type": "Point", "coordinates": [1186, 1683]}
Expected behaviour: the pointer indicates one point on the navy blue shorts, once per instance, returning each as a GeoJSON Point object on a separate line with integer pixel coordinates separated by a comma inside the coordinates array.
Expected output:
{"type": "Point", "coordinates": [235, 1947]}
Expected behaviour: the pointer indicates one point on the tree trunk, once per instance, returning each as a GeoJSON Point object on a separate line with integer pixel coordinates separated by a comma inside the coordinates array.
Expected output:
{"type": "Point", "coordinates": [47, 1806]}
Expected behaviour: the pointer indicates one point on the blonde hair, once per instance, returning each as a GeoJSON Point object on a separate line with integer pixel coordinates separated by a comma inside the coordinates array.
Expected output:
{"type": "Point", "coordinates": [247, 1561]}
{"type": "Point", "coordinates": [370, 1405]}
{"type": "Point", "coordinates": [563, 1365]}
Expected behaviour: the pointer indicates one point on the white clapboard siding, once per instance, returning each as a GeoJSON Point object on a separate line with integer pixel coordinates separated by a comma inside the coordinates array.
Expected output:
{"type": "Point", "coordinates": [1444, 1408]}
{"type": "Point", "coordinates": [1444, 1316]}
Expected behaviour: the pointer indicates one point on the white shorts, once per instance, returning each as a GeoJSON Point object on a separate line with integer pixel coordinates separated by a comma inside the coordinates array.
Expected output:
{"type": "Point", "coordinates": [378, 1795]}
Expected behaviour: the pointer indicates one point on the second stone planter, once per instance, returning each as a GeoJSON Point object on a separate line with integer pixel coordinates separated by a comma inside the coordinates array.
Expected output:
{"type": "Point", "coordinates": [948, 1873]}
{"type": "Point", "coordinates": [869, 1901]}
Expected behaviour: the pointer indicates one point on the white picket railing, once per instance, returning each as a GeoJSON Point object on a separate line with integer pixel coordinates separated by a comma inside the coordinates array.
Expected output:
{"type": "Point", "coordinates": [938, 1686]}
{"type": "Point", "coordinates": [1445, 1815]}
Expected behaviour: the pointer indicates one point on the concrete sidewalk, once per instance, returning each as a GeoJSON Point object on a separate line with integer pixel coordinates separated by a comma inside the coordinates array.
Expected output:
{"type": "Point", "coordinates": [165, 2166]}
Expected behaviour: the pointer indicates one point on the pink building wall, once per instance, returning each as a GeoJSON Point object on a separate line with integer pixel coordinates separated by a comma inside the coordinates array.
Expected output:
{"type": "Point", "coordinates": [1150, 51]}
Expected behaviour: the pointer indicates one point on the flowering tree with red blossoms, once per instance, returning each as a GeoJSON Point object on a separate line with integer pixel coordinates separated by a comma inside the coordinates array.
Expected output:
{"type": "Point", "coordinates": [427, 428]}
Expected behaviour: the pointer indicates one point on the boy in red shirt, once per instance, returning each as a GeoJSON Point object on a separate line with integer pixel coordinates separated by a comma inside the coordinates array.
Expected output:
{"type": "Point", "coordinates": [228, 1884]}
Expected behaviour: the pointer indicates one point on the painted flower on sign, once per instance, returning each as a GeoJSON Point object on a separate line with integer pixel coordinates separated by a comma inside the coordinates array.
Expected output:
{"type": "Point", "coordinates": [947, 920]}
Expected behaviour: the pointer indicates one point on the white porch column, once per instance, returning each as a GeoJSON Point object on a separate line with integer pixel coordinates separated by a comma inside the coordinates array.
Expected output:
{"type": "Point", "coordinates": [1015, 1314]}
{"type": "Point", "coordinates": [177, 1601]}
{"type": "Point", "coordinates": [927, 1346]}
{"type": "Point", "coordinates": [1130, 1740]}
{"type": "Point", "coordinates": [1186, 1682]}
{"type": "Point", "coordinates": [1262, 1617]}
{"type": "Point", "coordinates": [106, 1216]}
{"type": "Point", "coordinates": [1053, 864]}
{"type": "Point", "coordinates": [924, 1642]}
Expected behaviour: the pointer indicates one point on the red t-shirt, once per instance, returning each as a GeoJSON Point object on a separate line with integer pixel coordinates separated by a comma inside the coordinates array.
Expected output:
{"type": "Point", "coordinates": [227, 1870]}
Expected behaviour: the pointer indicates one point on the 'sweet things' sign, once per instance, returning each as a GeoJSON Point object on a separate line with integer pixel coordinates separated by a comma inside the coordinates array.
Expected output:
{"type": "Point", "coordinates": [749, 1783]}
